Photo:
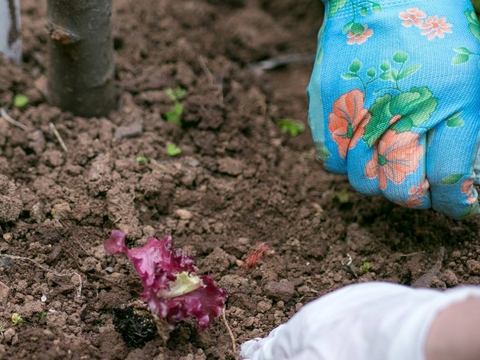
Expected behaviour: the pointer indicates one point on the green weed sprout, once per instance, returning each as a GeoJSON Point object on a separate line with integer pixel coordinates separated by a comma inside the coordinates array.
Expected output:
{"type": "Point", "coordinates": [20, 101]}
{"type": "Point", "coordinates": [17, 319]}
{"type": "Point", "coordinates": [292, 127]}
{"type": "Point", "coordinates": [365, 267]}
{"type": "Point", "coordinates": [342, 196]}
{"type": "Point", "coordinates": [142, 160]}
{"type": "Point", "coordinates": [172, 149]}
{"type": "Point", "coordinates": [175, 114]}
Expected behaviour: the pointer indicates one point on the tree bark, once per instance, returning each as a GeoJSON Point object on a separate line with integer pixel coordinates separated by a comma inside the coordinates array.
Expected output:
{"type": "Point", "coordinates": [81, 68]}
{"type": "Point", "coordinates": [10, 30]}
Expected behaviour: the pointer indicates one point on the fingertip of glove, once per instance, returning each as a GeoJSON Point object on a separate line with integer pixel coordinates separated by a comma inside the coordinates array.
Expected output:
{"type": "Point", "coordinates": [248, 348]}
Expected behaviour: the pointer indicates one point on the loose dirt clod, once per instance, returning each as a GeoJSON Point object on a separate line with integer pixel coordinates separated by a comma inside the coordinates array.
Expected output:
{"type": "Point", "coordinates": [136, 326]}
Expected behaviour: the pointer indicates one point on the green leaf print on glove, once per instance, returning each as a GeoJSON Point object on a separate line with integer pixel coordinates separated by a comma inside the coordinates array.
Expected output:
{"type": "Point", "coordinates": [357, 32]}
{"type": "Point", "coordinates": [463, 54]}
{"type": "Point", "coordinates": [474, 25]}
{"type": "Point", "coordinates": [401, 113]}
{"type": "Point", "coordinates": [387, 72]}
{"type": "Point", "coordinates": [335, 6]}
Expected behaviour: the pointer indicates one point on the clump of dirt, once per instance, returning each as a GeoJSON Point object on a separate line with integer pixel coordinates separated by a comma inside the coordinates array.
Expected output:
{"type": "Point", "coordinates": [237, 183]}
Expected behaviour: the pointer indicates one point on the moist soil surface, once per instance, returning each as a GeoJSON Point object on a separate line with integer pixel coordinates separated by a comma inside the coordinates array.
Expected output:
{"type": "Point", "coordinates": [239, 185]}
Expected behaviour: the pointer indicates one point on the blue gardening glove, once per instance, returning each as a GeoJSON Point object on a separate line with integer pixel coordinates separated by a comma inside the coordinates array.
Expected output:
{"type": "Point", "coordinates": [395, 100]}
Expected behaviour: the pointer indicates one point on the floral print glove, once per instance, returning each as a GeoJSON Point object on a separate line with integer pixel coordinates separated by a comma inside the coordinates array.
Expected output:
{"type": "Point", "coordinates": [395, 100]}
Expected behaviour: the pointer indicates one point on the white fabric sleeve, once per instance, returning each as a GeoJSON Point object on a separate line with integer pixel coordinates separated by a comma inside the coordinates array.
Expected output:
{"type": "Point", "coordinates": [367, 321]}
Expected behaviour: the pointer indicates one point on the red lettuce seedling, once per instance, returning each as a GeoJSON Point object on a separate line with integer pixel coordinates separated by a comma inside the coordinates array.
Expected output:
{"type": "Point", "coordinates": [170, 286]}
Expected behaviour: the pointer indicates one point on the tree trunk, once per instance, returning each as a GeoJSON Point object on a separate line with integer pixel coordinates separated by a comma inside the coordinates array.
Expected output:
{"type": "Point", "coordinates": [81, 67]}
{"type": "Point", "coordinates": [10, 31]}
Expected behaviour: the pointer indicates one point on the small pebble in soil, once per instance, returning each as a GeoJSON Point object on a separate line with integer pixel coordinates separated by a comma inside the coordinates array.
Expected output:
{"type": "Point", "coordinates": [9, 334]}
{"type": "Point", "coordinates": [10, 203]}
{"type": "Point", "coordinates": [183, 214]}
{"type": "Point", "coordinates": [4, 293]}
{"type": "Point", "coordinates": [264, 306]}
{"type": "Point", "coordinates": [450, 278]}
{"type": "Point", "coordinates": [456, 254]}
{"type": "Point", "coordinates": [282, 290]}
{"type": "Point", "coordinates": [132, 130]}
{"type": "Point", "coordinates": [473, 266]}
{"type": "Point", "coordinates": [230, 166]}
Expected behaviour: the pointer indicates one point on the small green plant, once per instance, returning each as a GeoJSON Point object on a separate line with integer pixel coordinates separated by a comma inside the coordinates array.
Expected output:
{"type": "Point", "coordinates": [142, 160]}
{"type": "Point", "coordinates": [43, 315]}
{"type": "Point", "coordinates": [17, 319]}
{"type": "Point", "coordinates": [172, 149]}
{"type": "Point", "coordinates": [20, 101]}
{"type": "Point", "coordinates": [175, 114]}
{"type": "Point", "coordinates": [177, 94]}
{"type": "Point", "coordinates": [292, 127]}
{"type": "Point", "coordinates": [342, 196]}
{"type": "Point", "coordinates": [365, 267]}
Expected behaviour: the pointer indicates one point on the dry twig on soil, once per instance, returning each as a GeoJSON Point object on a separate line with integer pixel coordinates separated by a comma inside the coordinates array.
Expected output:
{"type": "Point", "coordinates": [10, 120]}
{"type": "Point", "coordinates": [59, 138]}
{"type": "Point", "coordinates": [211, 78]}
{"type": "Point", "coordinates": [230, 332]}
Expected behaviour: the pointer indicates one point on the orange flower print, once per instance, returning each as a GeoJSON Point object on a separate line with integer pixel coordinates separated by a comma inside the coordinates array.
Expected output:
{"type": "Point", "coordinates": [412, 16]}
{"type": "Point", "coordinates": [417, 193]}
{"type": "Point", "coordinates": [467, 189]}
{"type": "Point", "coordinates": [396, 155]}
{"type": "Point", "coordinates": [435, 26]}
{"type": "Point", "coordinates": [348, 120]}
{"type": "Point", "coordinates": [354, 38]}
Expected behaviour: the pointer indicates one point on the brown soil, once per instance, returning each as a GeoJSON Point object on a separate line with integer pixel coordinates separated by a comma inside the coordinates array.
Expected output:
{"type": "Point", "coordinates": [238, 182]}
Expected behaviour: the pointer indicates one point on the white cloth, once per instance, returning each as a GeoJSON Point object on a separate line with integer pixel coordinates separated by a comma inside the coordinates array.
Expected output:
{"type": "Point", "coordinates": [367, 321]}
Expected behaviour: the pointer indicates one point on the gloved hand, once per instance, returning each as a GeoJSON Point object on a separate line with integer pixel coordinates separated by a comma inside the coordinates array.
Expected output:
{"type": "Point", "coordinates": [395, 100]}
{"type": "Point", "coordinates": [372, 321]}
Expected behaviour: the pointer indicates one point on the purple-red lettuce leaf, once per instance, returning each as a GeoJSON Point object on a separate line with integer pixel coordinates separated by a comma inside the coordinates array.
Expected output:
{"type": "Point", "coordinates": [170, 286]}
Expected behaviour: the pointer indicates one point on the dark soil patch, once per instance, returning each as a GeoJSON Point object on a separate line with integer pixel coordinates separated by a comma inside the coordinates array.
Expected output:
{"type": "Point", "coordinates": [239, 181]}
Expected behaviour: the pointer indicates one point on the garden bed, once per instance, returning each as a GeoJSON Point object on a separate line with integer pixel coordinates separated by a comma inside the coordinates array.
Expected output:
{"type": "Point", "coordinates": [239, 182]}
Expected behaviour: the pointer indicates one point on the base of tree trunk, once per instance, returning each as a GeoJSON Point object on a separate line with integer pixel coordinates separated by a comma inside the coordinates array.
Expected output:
{"type": "Point", "coordinates": [81, 68]}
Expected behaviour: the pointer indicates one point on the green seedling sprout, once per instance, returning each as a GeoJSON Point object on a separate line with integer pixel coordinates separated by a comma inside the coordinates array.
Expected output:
{"type": "Point", "coordinates": [17, 319]}
{"type": "Point", "coordinates": [342, 196]}
{"type": "Point", "coordinates": [43, 315]}
{"type": "Point", "coordinates": [172, 149]}
{"type": "Point", "coordinates": [142, 160]}
{"type": "Point", "coordinates": [177, 94]}
{"type": "Point", "coordinates": [365, 267]}
{"type": "Point", "coordinates": [174, 115]}
{"type": "Point", "coordinates": [292, 127]}
{"type": "Point", "coordinates": [20, 101]}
